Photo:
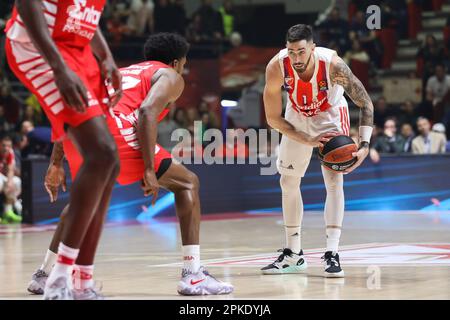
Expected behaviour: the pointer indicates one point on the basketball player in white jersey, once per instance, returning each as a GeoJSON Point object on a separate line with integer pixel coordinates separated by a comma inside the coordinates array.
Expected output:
{"type": "Point", "coordinates": [314, 79]}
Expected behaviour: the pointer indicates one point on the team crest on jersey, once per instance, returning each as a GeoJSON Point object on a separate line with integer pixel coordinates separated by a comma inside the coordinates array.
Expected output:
{"type": "Point", "coordinates": [323, 85]}
{"type": "Point", "coordinates": [288, 83]}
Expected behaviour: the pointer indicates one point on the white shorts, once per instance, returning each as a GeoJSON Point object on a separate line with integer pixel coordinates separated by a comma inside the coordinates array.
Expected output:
{"type": "Point", "coordinates": [16, 181]}
{"type": "Point", "coordinates": [294, 157]}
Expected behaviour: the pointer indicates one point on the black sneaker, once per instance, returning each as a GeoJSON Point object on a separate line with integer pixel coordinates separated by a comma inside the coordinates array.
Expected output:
{"type": "Point", "coordinates": [287, 262]}
{"type": "Point", "coordinates": [332, 266]}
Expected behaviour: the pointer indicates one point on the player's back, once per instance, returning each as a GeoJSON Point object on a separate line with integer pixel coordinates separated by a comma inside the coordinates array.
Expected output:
{"type": "Point", "coordinates": [136, 84]}
{"type": "Point", "coordinates": [70, 22]}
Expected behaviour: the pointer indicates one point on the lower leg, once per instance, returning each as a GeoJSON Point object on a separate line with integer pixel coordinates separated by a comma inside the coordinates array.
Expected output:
{"type": "Point", "coordinates": [185, 185]}
{"type": "Point", "coordinates": [99, 161]}
{"type": "Point", "coordinates": [84, 268]}
{"type": "Point", "coordinates": [292, 211]}
{"type": "Point", "coordinates": [51, 255]}
{"type": "Point", "coordinates": [334, 207]}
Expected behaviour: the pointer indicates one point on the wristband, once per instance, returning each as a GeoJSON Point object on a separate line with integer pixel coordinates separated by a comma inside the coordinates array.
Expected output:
{"type": "Point", "coordinates": [365, 133]}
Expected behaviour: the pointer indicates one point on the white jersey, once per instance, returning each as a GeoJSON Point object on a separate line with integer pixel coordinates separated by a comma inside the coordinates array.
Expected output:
{"type": "Point", "coordinates": [313, 107]}
{"type": "Point", "coordinates": [317, 101]}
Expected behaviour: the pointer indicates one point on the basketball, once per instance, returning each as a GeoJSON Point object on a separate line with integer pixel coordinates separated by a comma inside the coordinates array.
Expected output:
{"type": "Point", "coordinates": [337, 153]}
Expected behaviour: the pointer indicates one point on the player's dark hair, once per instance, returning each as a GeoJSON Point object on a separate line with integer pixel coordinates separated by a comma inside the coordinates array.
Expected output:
{"type": "Point", "coordinates": [165, 47]}
{"type": "Point", "coordinates": [299, 32]}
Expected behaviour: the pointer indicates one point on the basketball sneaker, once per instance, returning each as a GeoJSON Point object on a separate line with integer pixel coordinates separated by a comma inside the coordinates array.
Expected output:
{"type": "Point", "coordinates": [88, 294]}
{"type": "Point", "coordinates": [201, 283]}
{"type": "Point", "coordinates": [332, 265]}
{"type": "Point", "coordinates": [11, 217]}
{"type": "Point", "coordinates": [37, 283]}
{"type": "Point", "coordinates": [287, 262]}
{"type": "Point", "coordinates": [58, 290]}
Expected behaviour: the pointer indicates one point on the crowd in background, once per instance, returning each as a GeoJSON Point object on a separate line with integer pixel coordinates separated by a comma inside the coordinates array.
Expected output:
{"type": "Point", "coordinates": [409, 127]}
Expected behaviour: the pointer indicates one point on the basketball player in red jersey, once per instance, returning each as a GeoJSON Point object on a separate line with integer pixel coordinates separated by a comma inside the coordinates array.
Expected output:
{"type": "Point", "coordinates": [149, 87]}
{"type": "Point", "coordinates": [314, 79]}
{"type": "Point", "coordinates": [50, 47]}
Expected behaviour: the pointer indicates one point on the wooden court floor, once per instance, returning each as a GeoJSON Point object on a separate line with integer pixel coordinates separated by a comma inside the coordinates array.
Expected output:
{"type": "Point", "coordinates": [385, 255]}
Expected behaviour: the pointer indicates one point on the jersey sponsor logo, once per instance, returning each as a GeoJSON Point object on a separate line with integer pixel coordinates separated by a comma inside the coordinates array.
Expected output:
{"type": "Point", "coordinates": [82, 20]}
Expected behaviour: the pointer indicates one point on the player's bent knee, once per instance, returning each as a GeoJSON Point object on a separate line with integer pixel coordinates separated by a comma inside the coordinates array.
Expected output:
{"type": "Point", "coordinates": [194, 182]}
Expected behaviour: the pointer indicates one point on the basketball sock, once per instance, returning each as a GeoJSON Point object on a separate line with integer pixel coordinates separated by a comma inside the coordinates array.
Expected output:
{"type": "Point", "coordinates": [334, 207]}
{"type": "Point", "coordinates": [292, 211]}
{"type": "Point", "coordinates": [191, 258]}
{"type": "Point", "coordinates": [49, 261]}
{"type": "Point", "coordinates": [83, 277]}
{"type": "Point", "coordinates": [333, 235]}
{"type": "Point", "coordinates": [8, 207]}
{"type": "Point", "coordinates": [293, 238]}
{"type": "Point", "coordinates": [64, 264]}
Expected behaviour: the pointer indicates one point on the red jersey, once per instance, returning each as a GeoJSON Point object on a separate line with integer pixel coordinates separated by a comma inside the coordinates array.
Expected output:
{"type": "Point", "coordinates": [70, 22]}
{"type": "Point", "coordinates": [6, 160]}
{"type": "Point", "coordinates": [136, 84]}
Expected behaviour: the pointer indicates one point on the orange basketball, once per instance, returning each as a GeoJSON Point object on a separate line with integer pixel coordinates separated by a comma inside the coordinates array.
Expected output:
{"type": "Point", "coordinates": [337, 153]}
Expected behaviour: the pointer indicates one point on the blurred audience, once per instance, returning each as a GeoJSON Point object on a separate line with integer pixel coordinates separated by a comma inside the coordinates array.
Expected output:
{"type": "Point", "coordinates": [334, 28]}
{"type": "Point", "coordinates": [438, 94]}
{"type": "Point", "coordinates": [141, 19]}
{"type": "Point", "coordinates": [408, 135]}
{"type": "Point", "coordinates": [10, 184]}
{"type": "Point", "coordinates": [428, 142]}
{"type": "Point", "coordinates": [390, 141]}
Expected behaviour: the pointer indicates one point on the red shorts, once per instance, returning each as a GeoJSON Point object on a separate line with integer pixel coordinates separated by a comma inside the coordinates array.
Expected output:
{"type": "Point", "coordinates": [31, 69]}
{"type": "Point", "coordinates": [131, 162]}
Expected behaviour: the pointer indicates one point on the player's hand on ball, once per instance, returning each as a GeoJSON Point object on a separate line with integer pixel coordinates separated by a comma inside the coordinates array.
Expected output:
{"type": "Point", "coordinates": [150, 185]}
{"type": "Point", "coordinates": [362, 153]}
{"type": "Point", "coordinates": [55, 178]}
{"type": "Point", "coordinates": [320, 140]}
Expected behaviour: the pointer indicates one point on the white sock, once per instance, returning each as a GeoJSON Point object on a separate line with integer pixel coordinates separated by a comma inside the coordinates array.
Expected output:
{"type": "Point", "coordinates": [334, 207]}
{"type": "Point", "coordinates": [8, 207]}
{"type": "Point", "coordinates": [293, 238]}
{"type": "Point", "coordinates": [191, 258]}
{"type": "Point", "coordinates": [83, 277]}
{"type": "Point", "coordinates": [49, 261]}
{"type": "Point", "coordinates": [333, 236]}
{"type": "Point", "coordinates": [64, 264]}
{"type": "Point", "coordinates": [292, 211]}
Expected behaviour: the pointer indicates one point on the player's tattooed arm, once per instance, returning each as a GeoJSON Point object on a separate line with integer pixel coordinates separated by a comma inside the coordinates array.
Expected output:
{"type": "Point", "coordinates": [341, 74]}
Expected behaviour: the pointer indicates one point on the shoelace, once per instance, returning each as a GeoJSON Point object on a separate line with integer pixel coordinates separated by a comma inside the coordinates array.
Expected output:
{"type": "Point", "coordinates": [330, 260]}
{"type": "Point", "coordinates": [282, 255]}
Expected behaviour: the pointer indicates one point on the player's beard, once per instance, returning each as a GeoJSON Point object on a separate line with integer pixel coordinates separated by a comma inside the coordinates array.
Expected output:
{"type": "Point", "coordinates": [303, 68]}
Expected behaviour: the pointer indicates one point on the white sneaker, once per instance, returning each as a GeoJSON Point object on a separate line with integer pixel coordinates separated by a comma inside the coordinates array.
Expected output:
{"type": "Point", "coordinates": [88, 294]}
{"type": "Point", "coordinates": [60, 289]}
{"type": "Point", "coordinates": [201, 283]}
{"type": "Point", "coordinates": [287, 262]}
{"type": "Point", "coordinates": [37, 283]}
